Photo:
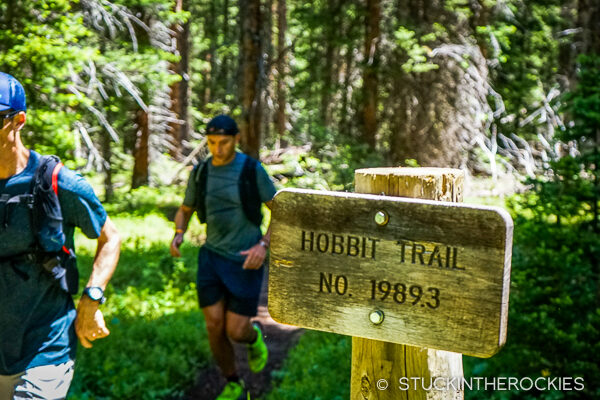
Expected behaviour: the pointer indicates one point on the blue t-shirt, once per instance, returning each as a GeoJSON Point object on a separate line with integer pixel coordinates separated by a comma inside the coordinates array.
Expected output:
{"type": "Point", "coordinates": [228, 231]}
{"type": "Point", "coordinates": [36, 315]}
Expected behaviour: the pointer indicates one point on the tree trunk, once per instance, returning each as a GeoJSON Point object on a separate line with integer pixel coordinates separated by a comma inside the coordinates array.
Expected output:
{"type": "Point", "coordinates": [589, 21]}
{"type": "Point", "coordinates": [251, 63]}
{"type": "Point", "coordinates": [226, 43]}
{"type": "Point", "coordinates": [210, 30]}
{"type": "Point", "coordinates": [332, 15]}
{"type": "Point", "coordinates": [180, 90]}
{"type": "Point", "coordinates": [567, 49]}
{"type": "Point", "coordinates": [107, 166]}
{"type": "Point", "coordinates": [436, 114]}
{"type": "Point", "coordinates": [229, 71]}
{"type": "Point", "coordinates": [266, 76]}
{"type": "Point", "coordinates": [141, 173]}
{"type": "Point", "coordinates": [327, 79]}
{"type": "Point", "coordinates": [281, 68]}
{"type": "Point", "coordinates": [345, 122]}
{"type": "Point", "coordinates": [370, 85]}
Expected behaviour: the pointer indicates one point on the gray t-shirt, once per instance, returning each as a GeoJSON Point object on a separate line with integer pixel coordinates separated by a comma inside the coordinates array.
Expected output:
{"type": "Point", "coordinates": [228, 231]}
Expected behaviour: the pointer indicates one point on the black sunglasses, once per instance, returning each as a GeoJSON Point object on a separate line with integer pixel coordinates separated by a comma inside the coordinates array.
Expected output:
{"type": "Point", "coordinates": [8, 115]}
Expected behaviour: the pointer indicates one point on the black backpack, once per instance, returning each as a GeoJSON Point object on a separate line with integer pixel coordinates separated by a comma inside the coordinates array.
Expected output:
{"type": "Point", "coordinates": [248, 188]}
{"type": "Point", "coordinates": [50, 250]}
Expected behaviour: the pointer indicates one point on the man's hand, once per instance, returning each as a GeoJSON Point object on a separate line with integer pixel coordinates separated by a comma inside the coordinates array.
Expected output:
{"type": "Point", "coordinates": [182, 219]}
{"type": "Point", "coordinates": [89, 324]}
{"type": "Point", "coordinates": [175, 244]}
{"type": "Point", "coordinates": [255, 256]}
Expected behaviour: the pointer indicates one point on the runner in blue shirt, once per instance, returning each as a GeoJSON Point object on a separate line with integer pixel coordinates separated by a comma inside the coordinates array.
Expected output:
{"type": "Point", "coordinates": [39, 324]}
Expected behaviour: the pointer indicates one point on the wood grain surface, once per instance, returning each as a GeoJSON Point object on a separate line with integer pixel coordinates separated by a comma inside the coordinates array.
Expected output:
{"type": "Point", "coordinates": [438, 271]}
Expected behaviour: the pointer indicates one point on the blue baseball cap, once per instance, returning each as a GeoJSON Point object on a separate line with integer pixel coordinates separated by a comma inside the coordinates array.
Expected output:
{"type": "Point", "coordinates": [222, 125]}
{"type": "Point", "coordinates": [12, 94]}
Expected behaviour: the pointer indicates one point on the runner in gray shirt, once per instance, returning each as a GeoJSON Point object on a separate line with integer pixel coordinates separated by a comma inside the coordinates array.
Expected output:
{"type": "Point", "coordinates": [227, 191]}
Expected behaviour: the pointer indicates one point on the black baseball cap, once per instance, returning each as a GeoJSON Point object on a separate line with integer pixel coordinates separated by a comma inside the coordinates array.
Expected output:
{"type": "Point", "coordinates": [222, 125]}
{"type": "Point", "coordinates": [12, 94]}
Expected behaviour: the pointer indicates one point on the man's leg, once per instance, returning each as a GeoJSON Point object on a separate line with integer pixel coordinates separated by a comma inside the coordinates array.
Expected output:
{"type": "Point", "coordinates": [239, 328]}
{"type": "Point", "coordinates": [220, 345]}
{"type": "Point", "coordinates": [7, 385]}
{"type": "Point", "coordinates": [222, 350]}
{"type": "Point", "coordinates": [243, 294]}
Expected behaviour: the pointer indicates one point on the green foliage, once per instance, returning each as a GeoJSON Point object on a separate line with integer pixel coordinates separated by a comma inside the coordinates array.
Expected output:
{"type": "Point", "coordinates": [158, 339]}
{"type": "Point", "coordinates": [554, 314]}
{"type": "Point", "coordinates": [583, 104]}
{"type": "Point", "coordinates": [523, 52]}
{"type": "Point", "coordinates": [40, 44]}
{"type": "Point", "coordinates": [302, 171]}
{"type": "Point", "coordinates": [571, 189]}
{"type": "Point", "coordinates": [317, 368]}
{"type": "Point", "coordinates": [331, 168]}
{"type": "Point", "coordinates": [146, 200]}
{"type": "Point", "coordinates": [87, 68]}
{"type": "Point", "coordinates": [558, 198]}
{"type": "Point", "coordinates": [554, 318]}
{"type": "Point", "coordinates": [143, 358]}
{"type": "Point", "coordinates": [417, 53]}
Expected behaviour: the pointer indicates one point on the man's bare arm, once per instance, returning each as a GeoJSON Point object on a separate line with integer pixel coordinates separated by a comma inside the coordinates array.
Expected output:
{"type": "Point", "coordinates": [89, 324]}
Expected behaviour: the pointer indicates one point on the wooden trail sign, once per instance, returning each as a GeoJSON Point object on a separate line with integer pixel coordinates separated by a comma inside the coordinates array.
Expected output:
{"type": "Point", "coordinates": [419, 272]}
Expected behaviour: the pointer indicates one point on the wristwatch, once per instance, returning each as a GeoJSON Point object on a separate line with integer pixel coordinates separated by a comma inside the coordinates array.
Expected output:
{"type": "Point", "coordinates": [95, 293]}
{"type": "Point", "coordinates": [263, 243]}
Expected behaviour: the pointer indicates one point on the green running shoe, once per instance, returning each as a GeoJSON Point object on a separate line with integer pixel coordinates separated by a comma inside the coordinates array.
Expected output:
{"type": "Point", "coordinates": [234, 391]}
{"type": "Point", "coordinates": [257, 352]}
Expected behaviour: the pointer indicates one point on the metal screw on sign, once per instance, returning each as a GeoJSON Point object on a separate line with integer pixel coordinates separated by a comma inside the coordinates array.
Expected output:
{"type": "Point", "coordinates": [381, 218]}
{"type": "Point", "coordinates": [376, 317]}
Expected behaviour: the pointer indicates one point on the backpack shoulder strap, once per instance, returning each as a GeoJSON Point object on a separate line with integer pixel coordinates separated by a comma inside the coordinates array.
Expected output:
{"type": "Point", "coordinates": [249, 170]}
{"type": "Point", "coordinates": [249, 195]}
{"type": "Point", "coordinates": [52, 251]}
{"type": "Point", "coordinates": [200, 169]}
{"type": "Point", "coordinates": [46, 174]}
{"type": "Point", "coordinates": [55, 172]}
{"type": "Point", "coordinates": [44, 184]}
{"type": "Point", "coordinates": [201, 178]}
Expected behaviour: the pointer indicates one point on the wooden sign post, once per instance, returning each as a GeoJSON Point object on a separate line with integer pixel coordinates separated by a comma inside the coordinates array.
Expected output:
{"type": "Point", "coordinates": [374, 360]}
{"type": "Point", "coordinates": [393, 271]}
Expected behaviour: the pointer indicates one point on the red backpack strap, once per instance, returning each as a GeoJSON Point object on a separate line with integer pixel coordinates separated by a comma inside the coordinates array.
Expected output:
{"type": "Point", "coordinates": [55, 172]}
{"type": "Point", "coordinates": [55, 177]}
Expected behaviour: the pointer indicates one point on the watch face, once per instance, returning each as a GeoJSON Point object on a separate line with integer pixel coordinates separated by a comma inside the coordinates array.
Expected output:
{"type": "Point", "coordinates": [95, 293]}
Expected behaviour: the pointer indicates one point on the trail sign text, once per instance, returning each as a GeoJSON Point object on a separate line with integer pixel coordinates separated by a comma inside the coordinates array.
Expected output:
{"type": "Point", "coordinates": [437, 272]}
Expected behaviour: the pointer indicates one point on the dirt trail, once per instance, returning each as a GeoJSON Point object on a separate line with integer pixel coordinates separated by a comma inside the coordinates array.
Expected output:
{"type": "Point", "coordinates": [279, 339]}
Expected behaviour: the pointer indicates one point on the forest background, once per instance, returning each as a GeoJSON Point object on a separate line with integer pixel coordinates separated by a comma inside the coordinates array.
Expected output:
{"type": "Point", "coordinates": [121, 90]}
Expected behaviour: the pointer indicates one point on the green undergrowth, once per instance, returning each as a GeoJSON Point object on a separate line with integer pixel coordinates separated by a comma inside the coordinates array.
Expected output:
{"type": "Point", "coordinates": [318, 368]}
{"type": "Point", "coordinates": [158, 340]}
{"type": "Point", "coordinates": [554, 313]}
{"type": "Point", "coordinates": [146, 200]}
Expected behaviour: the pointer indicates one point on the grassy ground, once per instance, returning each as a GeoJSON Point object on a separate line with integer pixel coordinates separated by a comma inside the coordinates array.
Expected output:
{"type": "Point", "coordinates": [157, 342]}
{"type": "Point", "coordinates": [318, 368]}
